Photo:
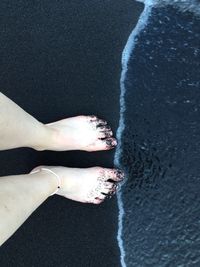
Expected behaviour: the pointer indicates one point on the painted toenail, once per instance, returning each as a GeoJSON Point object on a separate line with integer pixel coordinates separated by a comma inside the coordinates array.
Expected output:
{"type": "Point", "coordinates": [114, 142]}
{"type": "Point", "coordinates": [116, 186]}
{"type": "Point", "coordinates": [102, 122]}
{"type": "Point", "coordinates": [120, 172]}
{"type": "Point", "coordinates": [120, 175]}
{"type": "Point", "coordinates": [108, 134]}
{"type": "Point", "coordinates": [107, 128]}
{"type": "Point", "coordinates": [111, 142]}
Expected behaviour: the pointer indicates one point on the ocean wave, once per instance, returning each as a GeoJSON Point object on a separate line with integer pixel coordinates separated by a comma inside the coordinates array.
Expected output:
{"type": "Point", "coordinates": [183, 5]}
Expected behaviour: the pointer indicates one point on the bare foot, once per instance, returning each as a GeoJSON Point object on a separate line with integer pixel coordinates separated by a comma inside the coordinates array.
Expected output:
{"type": "Point", "coordinates": [89, 185]}
{"type": "Point", "coordinates": [81, 133]}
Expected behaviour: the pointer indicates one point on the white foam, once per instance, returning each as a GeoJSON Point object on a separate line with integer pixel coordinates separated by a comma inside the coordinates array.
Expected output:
{"type": "Point", "coordinates": [183, 5]}
{"type": "Point", "coordinates": [128, 49]}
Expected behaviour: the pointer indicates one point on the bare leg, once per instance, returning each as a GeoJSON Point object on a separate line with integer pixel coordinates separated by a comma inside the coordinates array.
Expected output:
{"type": "Point", "coordinates": [21, 195]}
{"type": "Point", "coordinates": [19, 129]}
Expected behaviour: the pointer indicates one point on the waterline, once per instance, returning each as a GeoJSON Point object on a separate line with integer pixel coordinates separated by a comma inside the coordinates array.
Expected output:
{"type": "Point", "coordinates": [128, 50]}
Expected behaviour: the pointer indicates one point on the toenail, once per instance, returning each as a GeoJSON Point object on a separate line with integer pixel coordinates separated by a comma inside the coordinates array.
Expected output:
{"type": "Point", "coordinates": [111, 142]}
{"type": "Point", "coordinates": [102, 127]}
{"type": "Point", "coordinates": [107, 128]}
{"type": "Point", "coordinates": [108, 134]}
{"type": "Point", "coordinates": [115, 187]}
{"type": "Point", "coordinates": [102, 122]}
{"type": "Point", "coordinates": [114, 142]}
{"type": "Point", "coordinates": [108, 142]}
{"type": "Point", "coordinates": [120, 174]}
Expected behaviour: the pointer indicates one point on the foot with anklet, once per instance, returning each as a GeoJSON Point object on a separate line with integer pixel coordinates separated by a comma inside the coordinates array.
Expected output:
{"type": "Point", "coordinates": [87, 185]}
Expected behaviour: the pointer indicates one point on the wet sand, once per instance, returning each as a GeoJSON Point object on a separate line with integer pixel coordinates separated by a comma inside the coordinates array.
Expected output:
{"type": "Point", "coordinates": [61, 59]}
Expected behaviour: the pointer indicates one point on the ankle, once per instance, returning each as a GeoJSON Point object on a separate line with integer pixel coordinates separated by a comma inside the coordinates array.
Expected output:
{"type": "Point", "coordinates": [46, 139]}
{"type": "Point", "coordinates": [45, 181]}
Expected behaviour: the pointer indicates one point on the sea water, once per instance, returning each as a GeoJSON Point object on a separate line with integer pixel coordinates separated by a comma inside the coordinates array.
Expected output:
{"type": "Point", "coordinates": [159, 133]}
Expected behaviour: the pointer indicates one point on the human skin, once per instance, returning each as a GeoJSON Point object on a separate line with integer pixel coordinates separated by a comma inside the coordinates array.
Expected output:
{"type": "Point", "coordinates": [21, 195]}
{"type": "Point", "coordinates": [20, 129]}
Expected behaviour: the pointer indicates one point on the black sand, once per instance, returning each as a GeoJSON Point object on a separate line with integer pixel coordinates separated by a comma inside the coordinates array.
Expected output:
{"type": "Point", "coordinates": [61, 59]}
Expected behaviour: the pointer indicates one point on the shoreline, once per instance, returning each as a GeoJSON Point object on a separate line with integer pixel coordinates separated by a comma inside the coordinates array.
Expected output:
{"type": "Point", "coordinates": [126, 55]}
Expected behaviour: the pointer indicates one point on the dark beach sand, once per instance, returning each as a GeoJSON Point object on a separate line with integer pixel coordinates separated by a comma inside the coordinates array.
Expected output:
{"type": "Point", "coordinates": [61, 59]}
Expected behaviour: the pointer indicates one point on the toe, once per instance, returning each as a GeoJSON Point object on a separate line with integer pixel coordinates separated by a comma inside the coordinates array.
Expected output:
{"type": "Point", "coordinates": [113, 175]}
{"type": "Point", "coordinates": [101, 122]}
{"type": "Point", "coordinates": [110, 194]}
{"type": "Point", "coordinates": [96, 120]}
{"type": "Point", "coordinates": [91, 118]}
{"type": "Point", "coordinates": [98, 200]}
{"type": "Point", "coordinates": [110, 142]}
{"type": "Point", "coordinates": [105, 134]}
{"type": "Point", "coordinates": [108, 185]}
{"type": "Point", "coordinates": [114, 189]}
{"type": "Point", "coordinates": [106, 191]}
{"type": "Point", "coordinates": [103, 144]}
{"type": "Point", "coordinates": [110, 191]}
{"type": "Point", "coordinates": [118, 175]}
{"type": "Point", "coordinates": [104, 128]}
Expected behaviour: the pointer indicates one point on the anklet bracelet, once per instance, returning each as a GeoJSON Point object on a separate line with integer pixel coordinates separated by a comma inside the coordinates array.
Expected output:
{"type": "Point", "coordinates": [58, 178]}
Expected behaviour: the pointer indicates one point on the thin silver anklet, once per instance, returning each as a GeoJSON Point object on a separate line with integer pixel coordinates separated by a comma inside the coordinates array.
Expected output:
{"type": "Point", "coordinates": [58, 178]}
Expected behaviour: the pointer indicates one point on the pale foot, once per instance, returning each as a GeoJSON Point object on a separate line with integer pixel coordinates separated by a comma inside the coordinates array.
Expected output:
{"type": "Point", "coordinates": [89, 185]}
{"type": "Point", "coordinates": [80, 133]}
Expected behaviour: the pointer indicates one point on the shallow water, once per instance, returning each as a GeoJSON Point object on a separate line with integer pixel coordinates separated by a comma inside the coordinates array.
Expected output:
{"type": "Point", "coordinates": [160, 140]}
